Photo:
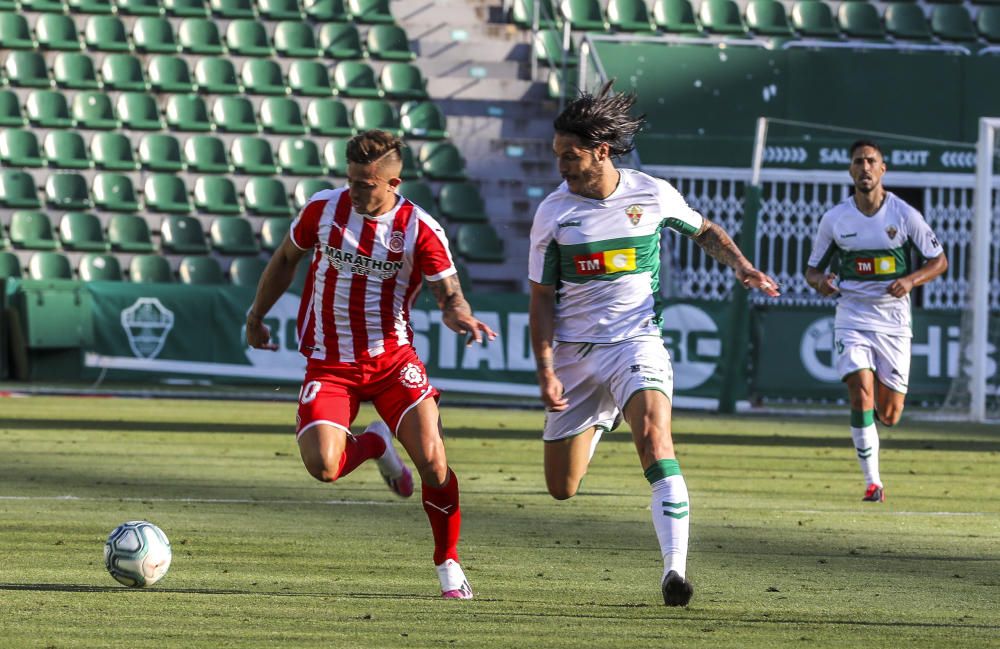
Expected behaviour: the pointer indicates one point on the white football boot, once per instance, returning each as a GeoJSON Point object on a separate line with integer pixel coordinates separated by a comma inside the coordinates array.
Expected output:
{"type": "Point", "coordinates": [390, 465]}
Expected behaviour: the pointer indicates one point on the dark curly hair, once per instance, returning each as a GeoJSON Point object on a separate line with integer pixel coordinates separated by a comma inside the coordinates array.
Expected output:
{"type": "Point", "coordinates": [602, 117]}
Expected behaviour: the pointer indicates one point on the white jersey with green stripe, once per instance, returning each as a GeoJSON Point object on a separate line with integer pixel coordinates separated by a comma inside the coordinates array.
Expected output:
{"type": "Point", "coordinates": [872, 251]}
{"type": "Point", "coordinates": [603, 256]}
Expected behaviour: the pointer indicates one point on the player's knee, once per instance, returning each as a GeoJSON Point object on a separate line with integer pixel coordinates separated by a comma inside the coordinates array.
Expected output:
{"type": "Point", "coordinates": [890, 416]}
{"type": "Point", "coordinates": [323, 471]}
{"type": "Point", "coordinates": [562, 491]}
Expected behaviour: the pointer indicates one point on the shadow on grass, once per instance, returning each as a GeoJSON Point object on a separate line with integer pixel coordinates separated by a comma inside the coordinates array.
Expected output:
{"type": "Point", "coordinates": [131, 426]}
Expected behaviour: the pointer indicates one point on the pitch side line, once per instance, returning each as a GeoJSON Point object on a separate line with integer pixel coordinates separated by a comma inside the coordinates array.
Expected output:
{"type": "Point", "coordinates": [205, 501]}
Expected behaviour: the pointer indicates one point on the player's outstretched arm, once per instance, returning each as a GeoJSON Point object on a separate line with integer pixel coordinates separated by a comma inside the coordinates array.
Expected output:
{"type": "Point", "coordinates": [456, 313]}
{"type": "Point", "coordinates": [932, 269]}
{"type": "Point", "coordinates": [274, 281]}
{"type": "Point", "coordinates": [713, 239]}
{"type": "Point", "coordinates": [541, 324]}
{"type": "Point", "coordinates": [823, 283]}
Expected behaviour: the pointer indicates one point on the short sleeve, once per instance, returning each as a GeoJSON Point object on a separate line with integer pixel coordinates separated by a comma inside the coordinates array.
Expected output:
{"type": "Point", "coordinates": [677, 214]}
{"type": "Point", "coordinates": [922, 236]}
{"type": "Point", "coordinates": [305, 227]}
{"type": "Point", "coordinates": [824, 245]}
{"type": "Point", "coordinates": [433, 257]}
{"type": "Point", "coordinates": [543, 251]}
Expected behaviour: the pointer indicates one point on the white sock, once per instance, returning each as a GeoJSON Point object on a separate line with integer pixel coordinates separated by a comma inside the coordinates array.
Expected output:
{"type": "Point", "coordinates": [593, 443]}
{"type": "Point", "coordinates": [866, 446]}
{"type": "Point", "coordinates": [671, 522]}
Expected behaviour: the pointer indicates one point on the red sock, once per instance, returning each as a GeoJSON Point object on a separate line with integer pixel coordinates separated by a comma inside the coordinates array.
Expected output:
{"type": "Point", "coordinates": [358, 449]}
{"type": "Point", "coordinates": [445, 516]}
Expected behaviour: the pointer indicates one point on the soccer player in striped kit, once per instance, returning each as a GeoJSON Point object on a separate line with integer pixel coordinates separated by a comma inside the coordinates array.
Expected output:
{"type": "Point", "coordinates": [594, 271]}
{"type": "Point", "coordinates": [870, 235]}
{"type": "Point", "coordinates": [369, 251]}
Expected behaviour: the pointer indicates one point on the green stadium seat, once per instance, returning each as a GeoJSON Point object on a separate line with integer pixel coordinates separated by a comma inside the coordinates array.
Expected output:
{"type": "Point", "coordinates": [154, 35]}
{"type": "Point", "coordinates": [266, 197]}
{"type": "Point", "coordinates": [522, 14]}
{"type": "Point", "coordinates": [66, 150]}
{"type": "Point", "coordinates": [420, 193]}
{"type": "Point", "coordinates": [150, 269]}
{"type": "Point", "coordinates": [160, 152]}
{"type": "Point", "coordinates": [182, 235]}
{"type": "Point", "coordinates": [328, 117]}
{"type": "Point", "coordinates": [281, 115]}
{"type": "Point", "coordinates": [138, 111]}
{"type": "Point", "coordinates": [988, 24]}
{"type": "Point", "coordinates": [94, 110]}
{"type": "Point", "coordinates": [31, 230]}
{"type": "Point", "coordinates": [388, 43]}
{"type": "Point", "coordinates": [17, 189]}
{"type": "Point", "coordinates": [300, 157]}
{"type": "Point", "coordinates": [200, 36]}
{"type": "Point", "coordinates": [309, 78]}
{"type": "Point", "coordinates": [402, 81]}
{"type": "Point", "coordinates": [48, 109]}
{"type": "Point", "coordinates": [584, 15]}
{"type": "Point", "coordinates": [67, 191]}
{"type": "Point", "coordinates": [813, 19]}
{"type": "Point", "coordinates": [20, 148]}
{"type": "Point", "coordinates": [234, 115]}
{"type": "Point", "coordinates": [14, 32]}
{"type": "Point", "coordinates": [326, 11]}
{"type": "Point", "coordinates": [246, 271]}
{"type": "Point", "coordinates": [767, 18]}
{"type": "Point", "coordinates": [75, 70]}
{"type": "Point", "coordinates": [217, 76]}
{"type": "Point", "coordinates": [676, 17]}
{"type": "Point", "coordinates": [548, 49]}
{"type": "Point", "coordinates": [233, 8]}
{"type": "Point", "coordinates": [555, 84]}
{"type": "Point", "coordinates": [442, 161]}
{"type": "Point", "coordinates": [860, 20]}
{"type": "Point", "coordinates": [10, 110]}
{"type": "Point", "coordinates": [114, 192]}
{"type": "Point", "coordinates": [187, 113]}
{"type": "Point", "coordinates": [423, 120]}
{"type": "Point", "coordinates": [91, 6]}
{"type": "Point", "coordinates": [129, 233]}
{"type": "Point", "coordinates": [248, 38]}
{"type": "Point", "coordinates": [280, 10]}
{"type": "Point", "coordinates": [233, 236]}
{"type": "Point", "coordinates": [169, 74]}
{"type": "Point", "coordinates": [139, 7]}
{"type": "Point", "coordinates": [952, 23]}
{"type": "Point", "coordinates": [462, 202]}
{"type": "Point", "coordinates": [479, 242]}
{"type": "Point", "coordinates": [99, 268]}
{"type": "Point", "coordinates": [355, 79]}
{"type": "Point", "coordinates": [340, 41]}
{"type": "Point", "coordinates": [166, 193]}
{"type": "Point", "coordinates": [628, 16]}
{"type": "Point", "coordinates": [721, 17]}
{"type": "Point", "coordinates": [273, 231]}
{"type": "Point", "coordinates": [186, 8]}
{"type": "Point", "coordinates": [123, 72]}
{"type": "Point", "coordinates": [252, 155]}
{"type": "Point", "coordinates": [295, 39]}
{"type": "Point", "coordinates": [216, 195]}
{"type": "Point", "coordinates": [57, 32]}
{"type": "Point", "coordinates": [82, 231]}
{"type": "Point", "coordinates": [263, 77]}
{"type": "Point", "coordinates": [206, 154]}
{"type": "Point", "coordinates": [26, 69]}
{"type": "Point", "coordinates": [906, 22]}
{"type": "Point", "coordinates": [305, 189]}
{"type": "Point", "coordinates": [39, 6]}
{"type": "Point", "coordinates": [106, 34]}
{"type": "Point", "coordinates": [370, 11]}
{"type": "Point", "coordinates": [10, 265]}
{"type": "Point", "coordinates": [200, 270]}
{"type": "Point", "coordinates": [376, 113]}
{"type": "Point", "coordinates": [113, 151]}
{"type": "Point", "coordinates": [49, 265]}
{"type": "Point", "coordinates": [411, 171]}
{"type": "Point", "coordinates": [335, 157]}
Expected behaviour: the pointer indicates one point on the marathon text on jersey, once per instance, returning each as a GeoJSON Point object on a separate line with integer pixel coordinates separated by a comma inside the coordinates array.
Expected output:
{"type": "Point", "coordinates": [361, 264]}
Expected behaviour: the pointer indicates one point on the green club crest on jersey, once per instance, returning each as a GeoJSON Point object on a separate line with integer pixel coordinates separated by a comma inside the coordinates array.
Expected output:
{"type": "Point", "coordinates": [634, 213]}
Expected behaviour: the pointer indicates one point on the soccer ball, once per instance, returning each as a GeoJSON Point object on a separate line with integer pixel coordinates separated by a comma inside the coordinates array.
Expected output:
{"type": "Point", "coordinates": [137, 554]}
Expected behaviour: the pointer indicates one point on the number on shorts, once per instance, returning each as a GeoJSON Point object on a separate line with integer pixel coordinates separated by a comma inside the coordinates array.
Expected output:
{"type": "Point", "coordinates": [309, 391]}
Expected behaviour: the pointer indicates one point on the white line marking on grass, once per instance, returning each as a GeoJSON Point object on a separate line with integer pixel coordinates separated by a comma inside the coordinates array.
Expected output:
{"type": "Point", "coordinates": [891, 513]}
{"type": "Point", "coordinates": [207, 501]}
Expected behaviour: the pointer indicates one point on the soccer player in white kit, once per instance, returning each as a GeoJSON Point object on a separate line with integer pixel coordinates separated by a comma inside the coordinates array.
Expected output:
{"type": "Point", "coordinates": [595, 312]}
{"type": "Point", "coordinates": [871, 235]}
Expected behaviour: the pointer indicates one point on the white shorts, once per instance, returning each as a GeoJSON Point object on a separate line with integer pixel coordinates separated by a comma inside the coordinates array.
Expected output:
{"type": "Point", "coordinates": [886, 355]}
{"type": "Point", "coordinates": [599, 379]}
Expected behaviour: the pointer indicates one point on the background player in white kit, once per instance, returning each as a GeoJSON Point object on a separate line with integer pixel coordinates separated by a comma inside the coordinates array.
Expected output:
{"type": "Point", "coordinates": [595, 312]}
{"type": "Point", "coordinates": [870, 234]}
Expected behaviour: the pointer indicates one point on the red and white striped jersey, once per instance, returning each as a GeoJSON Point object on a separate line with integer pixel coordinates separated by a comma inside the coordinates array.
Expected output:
{"type": "Point", "coordinates": [365, 274]}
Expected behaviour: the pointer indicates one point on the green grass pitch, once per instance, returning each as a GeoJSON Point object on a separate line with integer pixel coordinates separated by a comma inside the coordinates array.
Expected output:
{"type": "Point", "coordinates": [783, 552]}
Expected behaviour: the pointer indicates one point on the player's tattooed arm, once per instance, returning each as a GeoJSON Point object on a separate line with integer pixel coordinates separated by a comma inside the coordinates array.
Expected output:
{"type": "Point", "coordinates": [720, 246]}
{"type": "Point", "coordinates": [456, 314]}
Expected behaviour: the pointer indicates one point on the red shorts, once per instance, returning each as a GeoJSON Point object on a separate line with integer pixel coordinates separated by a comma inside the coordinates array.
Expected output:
{"type": "Point", "coordinates": [331, 393]}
